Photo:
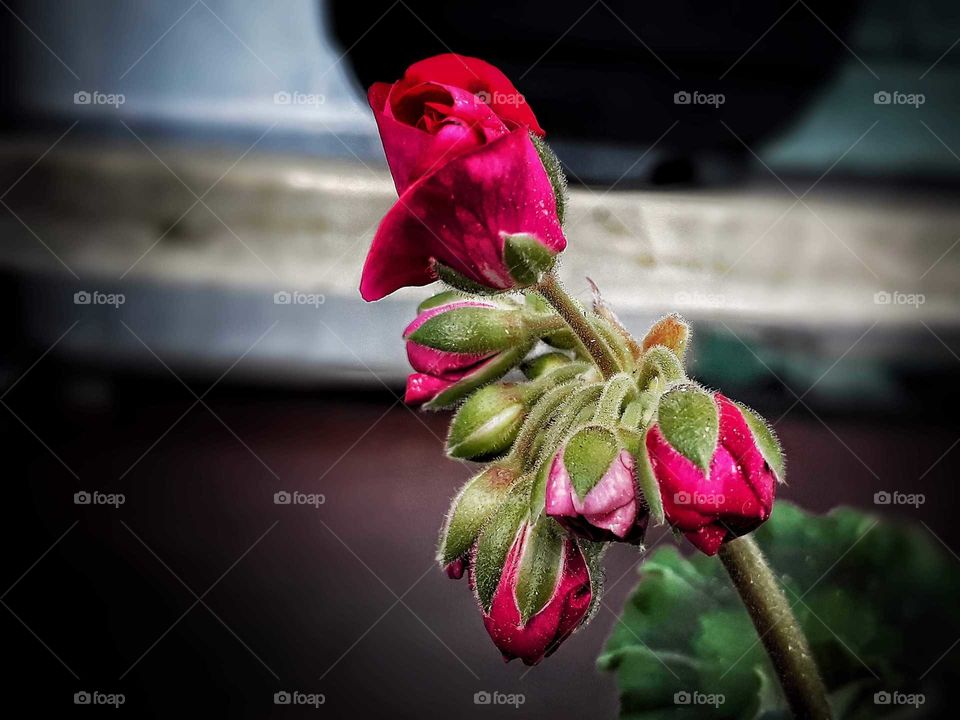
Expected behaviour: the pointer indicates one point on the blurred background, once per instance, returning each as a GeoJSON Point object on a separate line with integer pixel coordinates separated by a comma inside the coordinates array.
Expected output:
{"type": "Point", "coordinates": [784, 174]}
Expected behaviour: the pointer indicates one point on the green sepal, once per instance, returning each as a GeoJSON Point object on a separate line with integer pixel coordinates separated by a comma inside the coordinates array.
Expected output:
{"type": "Point", "coordinates": [470, 510]}
{"type": "Point", "coordinates": [526, 258]}
{"type": "Point", "coordinates": [587, 455]}
{"type": "Point", "coordinates": [543, 364]}
{"type": "Point", "coordinates": [659, 361]}
{"type": "Point", "coordinates": [442, 298]}
{"type": "Point", "coordinates": [495, 539]}
{"type": "Point", "coordinates": [558, 180]}
{"type": "Point", "coordinates": [539, 567]}
{"type": "Point", "coordinates": [493, 369]}
{"type": "Point", "coordinates": [689, 420]}
{"type": "Point", "coordinates": [456, 280]}
{"type": "Point", "coordinates": [635, 441]}
{"type": "Point", "coordinates": [766, 440]}
{"type": "Point", "coordinates": [471, 330]}
{"type": "Point", "coordinates": [487, 423]}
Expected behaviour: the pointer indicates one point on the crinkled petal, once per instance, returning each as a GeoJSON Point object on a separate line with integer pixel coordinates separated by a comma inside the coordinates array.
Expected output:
{"type": "Point", "coordinates": [457, 216]}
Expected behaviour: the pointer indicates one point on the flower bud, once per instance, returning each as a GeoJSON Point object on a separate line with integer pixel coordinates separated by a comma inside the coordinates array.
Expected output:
{"type": "Point", "coordinates": [542, 595]}
{"type": "Point", "coordinates": [671, 331]}
{"type": "Point", "coordinates": [717, 465]}
{"type": "Point", "coordinates": [473, 506]}
{"type": "Point", "coordinates": [591, 488]}
{"type": "Point", "coordinates": [458, 344]}
{"type": "Point", "coordinates": [543, 364]}
{"type": "Point", "coordinates": [488, 422]}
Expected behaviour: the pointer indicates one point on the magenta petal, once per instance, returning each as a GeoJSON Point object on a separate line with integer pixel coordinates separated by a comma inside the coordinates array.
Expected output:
{"type": "Point", "coordinates": [544, 632]}
{"type": "Point", "coordinates": [412, 151]}
{"type": "Point", "coordinates": [423, 388]}
{"type": "Point", "coordinates": [457, 214]}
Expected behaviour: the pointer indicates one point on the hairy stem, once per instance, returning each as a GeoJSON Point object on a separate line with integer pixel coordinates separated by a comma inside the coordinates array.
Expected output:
{"type": "Point", "coordinates": [550, 288]}
{"type": "Point", "coordinates": [777, 627]}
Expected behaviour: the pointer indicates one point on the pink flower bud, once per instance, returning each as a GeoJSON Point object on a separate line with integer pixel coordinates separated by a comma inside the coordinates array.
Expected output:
{"type": "Point", "coordinates": [563, 612]}
{"type": "Point", "coordinates": [439, 371]}
{"type": "Point", "coordinates": [609, 511]}
{"type": "Point", "coordinates": [735, 495]}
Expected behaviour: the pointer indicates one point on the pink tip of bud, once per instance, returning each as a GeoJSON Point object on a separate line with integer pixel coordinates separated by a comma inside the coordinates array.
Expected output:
{"type": "Point", "coordinates": [455, 569]}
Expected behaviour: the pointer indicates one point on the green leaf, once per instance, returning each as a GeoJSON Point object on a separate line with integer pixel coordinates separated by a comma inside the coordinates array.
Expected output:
{"type": "Point", "coordinates": [495, 540]}
{"type": "Point", "coordinates": [539, 567]}
{"type": "Point", "coordinates": [588, 455]}
{"type": "Point", "coordinates": [766, 441]}
{"type": "Point", "coordinates": [690, 422]}
{"type": "Point", "coordinates": [470, 510]}
{"type": "Point", "coordinates": [876, 600]}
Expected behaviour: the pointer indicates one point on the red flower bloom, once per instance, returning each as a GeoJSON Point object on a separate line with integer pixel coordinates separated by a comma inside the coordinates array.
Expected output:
{"type": "Point", "coordinates": [457, 141]}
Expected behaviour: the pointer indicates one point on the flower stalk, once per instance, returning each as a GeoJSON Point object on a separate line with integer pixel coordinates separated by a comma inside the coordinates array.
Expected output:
{"type": "Point", "coordinates": [777, 628]}
{"type": "Point", "coordinates": [595, 346]}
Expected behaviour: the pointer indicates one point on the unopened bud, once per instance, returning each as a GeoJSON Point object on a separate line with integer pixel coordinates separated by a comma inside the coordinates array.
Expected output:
{"type": "Point", "coordinates": [488, 422]}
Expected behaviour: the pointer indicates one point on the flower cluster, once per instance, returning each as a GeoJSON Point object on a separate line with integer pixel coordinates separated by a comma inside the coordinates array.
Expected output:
{"type": "Point", "coordinates": [589, 434]}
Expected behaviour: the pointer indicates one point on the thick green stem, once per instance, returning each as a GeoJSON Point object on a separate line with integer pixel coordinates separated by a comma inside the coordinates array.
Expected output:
{"type": "Point", "coordinates": [777, 627]}
{"type": "Point", "coordinates": [568, 309]}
